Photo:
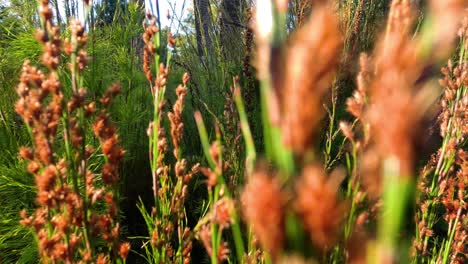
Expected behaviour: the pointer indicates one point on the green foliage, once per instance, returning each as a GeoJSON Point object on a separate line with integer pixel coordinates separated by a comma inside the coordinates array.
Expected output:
{"type": "Point", "coordinates": [17, 191]}
{"type": "Point", "coordinates": [17, 188]}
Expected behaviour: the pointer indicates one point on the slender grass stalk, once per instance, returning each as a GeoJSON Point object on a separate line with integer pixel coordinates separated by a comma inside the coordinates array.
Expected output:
{"type": "Point", "coordinates": [249, 142]}
{"type": "Point", "coordinates": [396, 199]}
{"type": "Point", "coordinates": [216, 167]}
{"type": "Point", "coordinates": [274, 36]}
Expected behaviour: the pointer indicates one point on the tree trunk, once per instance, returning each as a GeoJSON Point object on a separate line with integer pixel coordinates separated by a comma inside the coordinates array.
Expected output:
{"type": "Point", "coordinates": [230, 16]}
{"type": "Point", "coordinates": [206, 21]}
{"type": "Point", "coordinates": [73, 8]}
{"type": "Point", "coordinates": [231, 29]}
{"type": "Point", "coordinates": [202, 25]}
{"type": "Point", "coordinates": [67, 10]}
{"type": "Point", "coordinates": [198, 32]}
{"type": "Point", "coordinates": [57, 13]}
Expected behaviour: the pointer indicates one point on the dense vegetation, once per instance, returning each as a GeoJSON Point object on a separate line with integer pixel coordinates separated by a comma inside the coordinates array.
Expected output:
{"type": "Point", "coordinates": [241, 131]}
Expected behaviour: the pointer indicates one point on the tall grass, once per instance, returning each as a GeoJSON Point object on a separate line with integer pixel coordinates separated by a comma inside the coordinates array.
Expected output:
{"type": "Point", "coordinates": [294, 137]}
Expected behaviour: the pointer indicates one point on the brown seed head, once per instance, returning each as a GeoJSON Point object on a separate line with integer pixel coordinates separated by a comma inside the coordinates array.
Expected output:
{"type": "Point", "coordinates": [124, 250]}
{"type": "Point", "coordinates": [263, 207]}
{"type": "Point", "coordinates": [312, 58]}
{"type": "Point", "coordinates": [318, 206]}
{"type": "Point", "coordinates": [223, 212]}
